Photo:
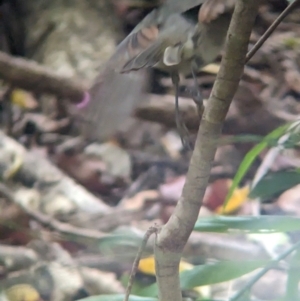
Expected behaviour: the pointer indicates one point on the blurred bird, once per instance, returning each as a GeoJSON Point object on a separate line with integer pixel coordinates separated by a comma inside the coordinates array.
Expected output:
{"type": "Point", "coordinates": [179, 37]}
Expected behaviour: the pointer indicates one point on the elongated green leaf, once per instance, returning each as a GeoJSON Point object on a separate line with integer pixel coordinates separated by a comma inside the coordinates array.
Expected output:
{"type": "Point", "coordinates": [292, 291]}
{"type": "Point", "coordinates": [248, 224]}
{"type": "Point", "coordinates": [241, 139]}
{"type": "Point", "coordinates": [211, 273]}
{"type": "Point", "coordinates": [252, 155]}
{"type": "Point", "coordinates": [120, 240]}
{"type": "Point", "coordinates": [275, 183]}
{"type": "Point", "coordinates": [218, 272]}
{"type": "Point", "coordinates": [119, 297]}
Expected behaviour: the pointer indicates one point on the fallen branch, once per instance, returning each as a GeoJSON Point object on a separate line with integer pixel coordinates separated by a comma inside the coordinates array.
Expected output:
{"type": "Point", "coordinates": [49, 222]}
{"type": "Point", "coordinates": [51, 182]}
{"type": "Point", "coordinates": [162, 110]}
{"type": "Point", "coordinates": [242, 118]}
{"type": "Point", "coordinates": [31, 76]}
{"type": "Point", "coordinates": [14, 258]}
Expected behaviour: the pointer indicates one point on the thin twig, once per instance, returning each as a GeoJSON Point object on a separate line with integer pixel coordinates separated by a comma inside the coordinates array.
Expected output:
{"type": "Point", "coordinates": [271, 29]}
{"type": "Point", "coordinates": [150, 231]}
{"type": "Point", "coordinates": [264, 271]}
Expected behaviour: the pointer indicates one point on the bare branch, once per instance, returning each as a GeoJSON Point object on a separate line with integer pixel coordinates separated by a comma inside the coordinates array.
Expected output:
{"type": "Point", "coordinates": [176, 232]}
{"type": "Point", "coordinates": [47, 221]}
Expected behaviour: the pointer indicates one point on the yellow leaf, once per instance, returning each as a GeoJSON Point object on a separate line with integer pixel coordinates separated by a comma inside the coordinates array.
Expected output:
{"type": "Point", "coordinates": [238, 198]}
{"type": "Point", "coordinates": [211, 68]}
{"type": "Point", "coordinates": [23, 99]}
{"type": "Point", "coordinates": [183, 266]}
{"type": "Point", "coordinates": [203, 291]}
{"type": "Point", "coordinates": [147, 266]}
{"type": "Point", "coordinates": [22, 292]}
{"type": "Point", "coordinates": [14, 167]}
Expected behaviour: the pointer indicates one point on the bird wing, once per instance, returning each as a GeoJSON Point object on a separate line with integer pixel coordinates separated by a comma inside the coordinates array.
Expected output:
{"type": "Point", "coordinates": [149, 33]}
{"type": "Point", "coordinates": [172, 35]}
{"type": "Point", "coordinates": [144, 47]}
{"type": "Point", "coordinates": [113, 97]}
{"type": "Point", "coordinates": [212, 9]}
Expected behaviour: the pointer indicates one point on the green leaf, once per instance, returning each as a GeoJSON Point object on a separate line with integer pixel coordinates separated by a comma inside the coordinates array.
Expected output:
{"type": "Point", "coordinates": [210, 274]}
{"type": "Point", "coordinates": [120, 240]}
{"type": "Point", "coordinates": [141, 285]}
{"type": "Point", "coordinates": [248, 224]}
{"type": "Point", "coordinates": [119, 297]}
{"type": "Point", "coordinates": [275, 183]}
{"type": "Point", "coordinates": [292, 291]}
{"type": "Point", "coordinates": [294, 135]}
{"type": "Point", "coordinates": [150, 291]}
{"type": "Point", "coordinates": [213, 273]}
{"type": "Point", "coordinates": [218, 272]}
{"type": "Point", "coordinates": [241, 139]}
{"type": "Point", "coordinates": [251, 156]}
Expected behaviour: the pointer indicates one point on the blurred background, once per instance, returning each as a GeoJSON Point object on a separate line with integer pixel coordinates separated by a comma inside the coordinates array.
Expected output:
{"type": "Point", "coordinates": [73, 212]}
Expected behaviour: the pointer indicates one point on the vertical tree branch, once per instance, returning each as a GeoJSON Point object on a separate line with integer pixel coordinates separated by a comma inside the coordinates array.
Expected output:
{"type": "Point", "coordinates": [175, 233]}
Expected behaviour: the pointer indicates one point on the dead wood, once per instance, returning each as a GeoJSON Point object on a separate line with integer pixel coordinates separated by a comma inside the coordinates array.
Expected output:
{"type": "Point", "coordinates": [52, 184]}
{"type": "Point", "coordinates": [31, 76]}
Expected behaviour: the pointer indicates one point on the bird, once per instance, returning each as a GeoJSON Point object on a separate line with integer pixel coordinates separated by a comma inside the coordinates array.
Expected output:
{"type": "Point", "coordinates": [179, 37]}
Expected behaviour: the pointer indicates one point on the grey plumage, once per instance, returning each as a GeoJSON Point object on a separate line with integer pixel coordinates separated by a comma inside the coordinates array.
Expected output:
{"type": "Point", "coordinates": [171, 38]}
